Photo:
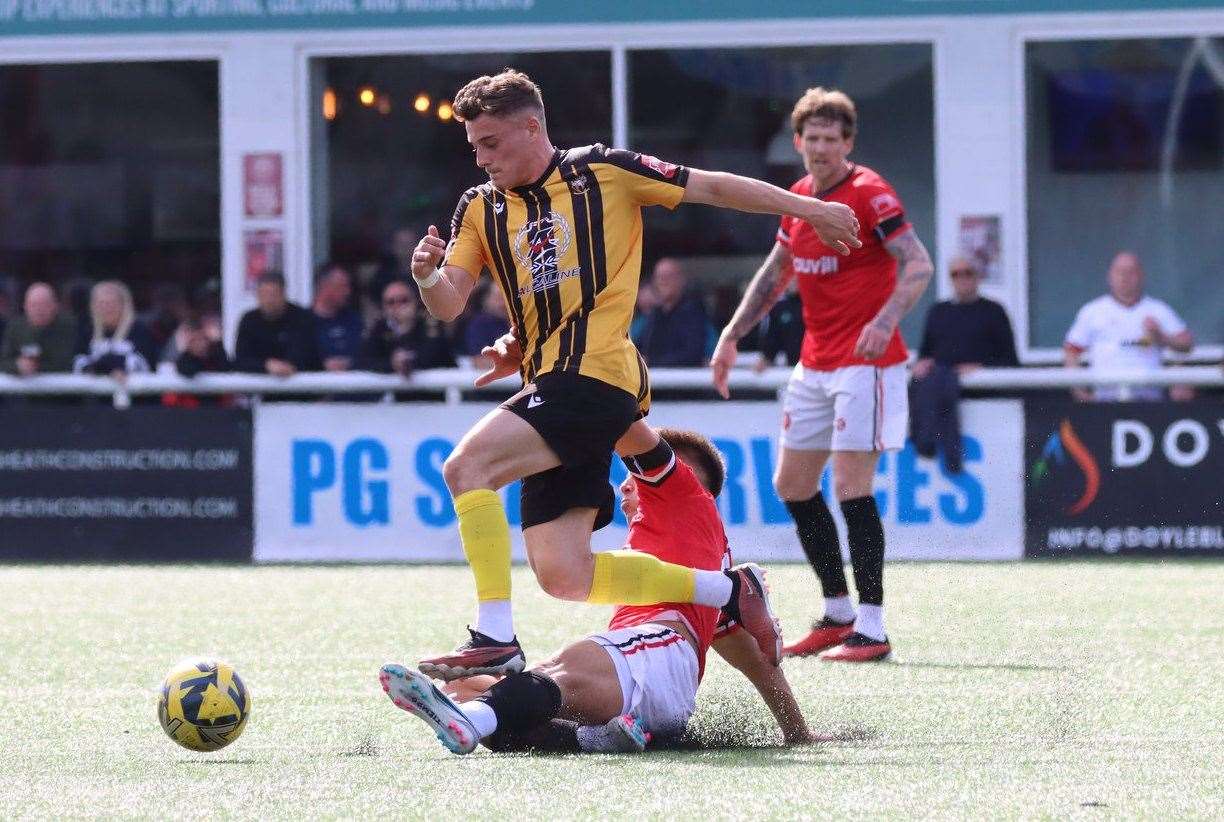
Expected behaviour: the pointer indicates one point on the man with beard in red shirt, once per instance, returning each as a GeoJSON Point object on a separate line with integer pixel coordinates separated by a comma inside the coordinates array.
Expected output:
{"type": "Point", "coordinates": [847, 396]}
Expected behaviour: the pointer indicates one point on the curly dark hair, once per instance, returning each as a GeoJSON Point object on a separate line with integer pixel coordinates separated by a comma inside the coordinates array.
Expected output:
{"type": "Point", "coordinates": [697, 450]}
{"type": "Point", "coordinates": [507, 92]}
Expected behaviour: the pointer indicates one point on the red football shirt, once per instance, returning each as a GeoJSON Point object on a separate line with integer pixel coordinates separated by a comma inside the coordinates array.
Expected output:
{"type": "Point", "coordinates": [677, 521]}
{"type": "Point", "coordinates": [840, 294]}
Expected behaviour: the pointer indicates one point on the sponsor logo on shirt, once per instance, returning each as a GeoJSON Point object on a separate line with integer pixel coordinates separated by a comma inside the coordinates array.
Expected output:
{"type": "Point", "coordinates": [828, 264]}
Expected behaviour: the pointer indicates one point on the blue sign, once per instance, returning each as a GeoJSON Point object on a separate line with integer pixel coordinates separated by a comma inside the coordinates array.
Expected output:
{"type": "Point", "coordinates": [360, 473]}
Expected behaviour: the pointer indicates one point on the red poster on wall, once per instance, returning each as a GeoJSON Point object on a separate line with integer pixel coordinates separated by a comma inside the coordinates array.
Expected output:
{"type": "Point", "coordinates": [263, 185]}
{"type": "Point", "coordinates": [264, 252]}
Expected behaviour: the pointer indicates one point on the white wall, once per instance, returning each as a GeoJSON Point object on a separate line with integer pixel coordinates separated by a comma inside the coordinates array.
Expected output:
{"type": "Point", "coordinates": [261, 102]}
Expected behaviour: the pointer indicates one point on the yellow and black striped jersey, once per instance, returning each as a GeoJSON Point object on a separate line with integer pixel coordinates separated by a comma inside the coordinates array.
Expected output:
{"type": "Point", "coordinates": [566, 251]}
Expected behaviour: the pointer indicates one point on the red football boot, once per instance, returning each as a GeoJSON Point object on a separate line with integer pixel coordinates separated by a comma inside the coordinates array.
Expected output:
{"type": "Point", "coordinates": [824, 634]}
{"type": "Point", "coordinates": [858, 648]}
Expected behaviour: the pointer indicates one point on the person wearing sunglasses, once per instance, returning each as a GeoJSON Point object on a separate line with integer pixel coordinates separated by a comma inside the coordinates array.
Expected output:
{"type": "Point", "coordinates": [961, 335]}
{"type": "Point", "coordinates": [404, 339]}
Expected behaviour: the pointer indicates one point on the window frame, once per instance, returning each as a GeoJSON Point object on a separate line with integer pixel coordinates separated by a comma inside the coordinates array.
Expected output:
{"type": "Point", "coordinates": [86, 49]}
{"type": "Point", "coordinates": [1079, 28]}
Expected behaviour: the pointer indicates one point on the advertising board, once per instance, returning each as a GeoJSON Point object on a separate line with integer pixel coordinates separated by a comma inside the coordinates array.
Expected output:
{"type": "Point", "coordinates": [364, 483]}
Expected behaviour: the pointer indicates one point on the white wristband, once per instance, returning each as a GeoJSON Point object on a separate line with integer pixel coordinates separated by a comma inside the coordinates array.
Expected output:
{"type": "Point", "coordinates": [431, 280]}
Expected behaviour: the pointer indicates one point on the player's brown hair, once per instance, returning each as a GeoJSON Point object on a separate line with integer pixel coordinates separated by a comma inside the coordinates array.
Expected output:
{"type": "Point", "coordinates": [700, 450]}
{"type": "Point", "coordinates": [825, 104]}
{"type": "Point", "coordinates": [502, 94]}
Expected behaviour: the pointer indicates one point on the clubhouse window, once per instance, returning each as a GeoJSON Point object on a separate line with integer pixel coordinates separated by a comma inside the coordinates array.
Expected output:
{"type": "Point", "coordinates": [729, 110]}
{"type": "Point", "coordinates": [110, 170]}
{"type": "Point", "coordinates": [388, 154]}
{"type": "Point", "coordinates": [1125, 152]}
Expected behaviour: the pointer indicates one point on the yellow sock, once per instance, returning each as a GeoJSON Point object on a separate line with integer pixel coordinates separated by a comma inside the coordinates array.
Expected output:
{"type": "Point", "coordinates": [634, 578]}
{"type": "Point", "coordinates": [486, 542]}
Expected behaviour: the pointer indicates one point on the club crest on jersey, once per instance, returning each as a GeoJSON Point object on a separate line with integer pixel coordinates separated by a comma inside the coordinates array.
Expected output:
{"type": "Point", "coordinates": [886, 205]}
{"type": "Point", "coordinates": [668, 170]}
{"type": "Point", "coordinates": [538, 247]}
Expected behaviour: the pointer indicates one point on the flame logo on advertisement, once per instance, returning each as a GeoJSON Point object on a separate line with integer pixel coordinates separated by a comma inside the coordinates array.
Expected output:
{"type": "Point", "coordinates": [1063, 444]}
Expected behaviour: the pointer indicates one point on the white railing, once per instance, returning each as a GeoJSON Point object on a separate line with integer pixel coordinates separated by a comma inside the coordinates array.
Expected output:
{"type": "Point", "coordinates": [453, 381]}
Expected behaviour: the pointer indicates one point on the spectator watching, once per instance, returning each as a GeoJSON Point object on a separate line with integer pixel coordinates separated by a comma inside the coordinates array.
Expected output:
{"type": "Point", "coordinates": [676, 329]}
{"type": "Point", "coordinates": [43, 340]}
{"type": "Point", "coordinates": [114, 342]}
{"type": "Point", "coordinates": [961, 335]}
{"type": "Point", "coordinates": [1124, 329]}
{"type": "Point", "coordinates": [405, 338]}
{"type": "Point", "coordinates": [337, 324]}
{"type": "Point", "coordinates": [199, 341]}
{"type": "Point", "coordinates": [278, 337]}
{"type": "Point", "coordinates": [967, 331]}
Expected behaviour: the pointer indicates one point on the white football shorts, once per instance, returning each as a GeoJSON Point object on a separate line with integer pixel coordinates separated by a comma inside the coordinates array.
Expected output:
{"type": "Point", "coordinates": [657, 668]}
{"type": "Point", "coordinates": [856, 408]}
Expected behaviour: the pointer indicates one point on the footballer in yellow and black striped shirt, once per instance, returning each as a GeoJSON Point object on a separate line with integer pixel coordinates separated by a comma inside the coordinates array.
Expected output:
{"type": "Point", "coordinates": [566, 251]}
{"type": "Point", "coordinates": [560, 232]}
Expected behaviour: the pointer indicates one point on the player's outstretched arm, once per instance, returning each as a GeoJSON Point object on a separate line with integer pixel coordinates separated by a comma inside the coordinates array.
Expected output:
{"type": "Point", "coordinates": [835, 223]}
{"type": "Point", "coordinates": [767, 285]}
{"type": "Point", "coordinates": [741, 651]}
{"type": "Point", "coordinates": [914, 270]}
{"type": "Point", "coordinates": [444, 291]}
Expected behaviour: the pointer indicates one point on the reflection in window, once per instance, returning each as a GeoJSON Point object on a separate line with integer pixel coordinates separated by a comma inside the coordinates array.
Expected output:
{"type": "Point", "coordinates": [390, 158]}
{"type": "Point", "coordinates": [729, 110]}
{"type": "Point", "coordinates": [1126, 147]}
{"type": "Point", "coordinates": [111, 171]}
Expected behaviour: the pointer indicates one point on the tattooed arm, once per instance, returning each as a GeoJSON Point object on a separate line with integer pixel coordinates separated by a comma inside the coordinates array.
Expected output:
{"type": "Point", "coordinates": [914, 270]}
{"type": "Point", "coordinates": [766, 286]}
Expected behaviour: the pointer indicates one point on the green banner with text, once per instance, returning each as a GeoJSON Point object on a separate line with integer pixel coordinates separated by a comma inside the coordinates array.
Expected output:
{"type": "Point", "coordinates": [52, 17]}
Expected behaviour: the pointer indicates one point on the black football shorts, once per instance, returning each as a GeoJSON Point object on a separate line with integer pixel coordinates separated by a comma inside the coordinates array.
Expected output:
{"type": "Point", "coordinates": [580, 418]}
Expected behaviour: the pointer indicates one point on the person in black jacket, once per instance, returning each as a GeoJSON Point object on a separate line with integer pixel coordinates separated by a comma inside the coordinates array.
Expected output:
{"type": "Point", "coordinates": [961, 335]}
{"type": "Point", "coordinates": [199, 340]}
{"type": "Point", "coordinates": [405, 339]}
{"type": "Point", "coordinates": [968, 331]}
{"type": "Point", "coordinates": [278, 337]}
{"type": "Point", "coordinates": [114, 342]}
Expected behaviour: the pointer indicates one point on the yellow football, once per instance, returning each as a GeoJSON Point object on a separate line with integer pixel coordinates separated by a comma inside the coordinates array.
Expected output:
{"type": "Point", "coordinates": [203, 704]}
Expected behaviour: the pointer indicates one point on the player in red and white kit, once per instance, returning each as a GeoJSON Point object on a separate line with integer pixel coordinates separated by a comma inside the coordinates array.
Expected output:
{"type": "Point", "coordinates": [638, 677]}
{"type": "Point", "coordinates": [847, 396]}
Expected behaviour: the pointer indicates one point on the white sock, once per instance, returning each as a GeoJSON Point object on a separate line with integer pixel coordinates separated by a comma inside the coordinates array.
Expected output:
{"type": "Point", "coordinates": [839, 609]}
{"type": "Point", "coordinates": [481, 716]}
{"type": "Point", "coordinates": [870, 621]}
{"type": "Point", "coordinates": [495, 618]}
{"type": "Point", "coordinates": [713, 588]}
